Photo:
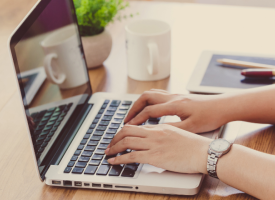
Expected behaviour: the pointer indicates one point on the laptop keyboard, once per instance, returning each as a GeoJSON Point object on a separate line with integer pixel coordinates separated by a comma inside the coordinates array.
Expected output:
{"type": "Point", "coordinates": [46, 123]}
{"type": "Point", "coordinates": [89, 157]}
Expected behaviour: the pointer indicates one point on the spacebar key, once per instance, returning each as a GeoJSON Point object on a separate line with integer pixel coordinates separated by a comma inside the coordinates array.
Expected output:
{"type": "Point", "coordinates": [103, 170]}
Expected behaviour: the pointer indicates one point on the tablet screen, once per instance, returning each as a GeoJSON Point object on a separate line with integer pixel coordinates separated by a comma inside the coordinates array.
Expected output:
{"type": "Point", "coordinates": [217, 75]}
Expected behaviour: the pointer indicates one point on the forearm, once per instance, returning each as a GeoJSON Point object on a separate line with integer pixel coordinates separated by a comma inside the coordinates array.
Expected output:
{"type": "Point", "coordinates": [248, 170]}
{"type": "Point", "coordinates": [252, 105]}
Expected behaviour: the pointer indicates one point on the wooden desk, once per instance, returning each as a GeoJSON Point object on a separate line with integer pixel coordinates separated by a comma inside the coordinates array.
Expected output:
{"type": "Point", "coordinates": [195, 28]}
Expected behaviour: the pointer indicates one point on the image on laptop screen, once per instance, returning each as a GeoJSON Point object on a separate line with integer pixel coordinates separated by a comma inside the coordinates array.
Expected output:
{"type": "Point", "coordinates": [52, 73]}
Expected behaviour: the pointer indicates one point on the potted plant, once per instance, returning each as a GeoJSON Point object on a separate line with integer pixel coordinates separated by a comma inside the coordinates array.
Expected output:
{"type": "Point", "coordinates": [93, 16]}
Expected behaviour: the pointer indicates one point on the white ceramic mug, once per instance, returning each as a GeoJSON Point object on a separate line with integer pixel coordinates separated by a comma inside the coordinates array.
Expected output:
{"type": "Point", "coordinates": [148, 46]}
{"type": "Point", "coordinates": [63, 62]}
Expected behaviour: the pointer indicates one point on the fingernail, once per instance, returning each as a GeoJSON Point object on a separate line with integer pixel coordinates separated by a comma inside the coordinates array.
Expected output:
{"type": "Point", "coordinates": [107, 150]}
{"type": "Point", "coordinates": [111, 160]}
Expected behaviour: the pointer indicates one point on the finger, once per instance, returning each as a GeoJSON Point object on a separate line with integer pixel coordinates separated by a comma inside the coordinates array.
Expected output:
{"type": "Point", "coordinates": [147, 98]}
{"type": "Point", "coordinates": [134, 143]}
{"type": "Point", "coordinates": [128, 130]}
{"type": "Point", "coordinates": [154, 111]}
{"type": "Point", "coordinates": [133, 157]}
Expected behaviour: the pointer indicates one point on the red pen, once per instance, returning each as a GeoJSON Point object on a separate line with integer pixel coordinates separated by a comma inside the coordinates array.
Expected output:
{"type": "Point", "coordinates": [258, 72]}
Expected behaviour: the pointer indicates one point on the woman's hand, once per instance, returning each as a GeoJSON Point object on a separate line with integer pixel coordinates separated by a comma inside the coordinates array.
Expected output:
{"type": "Point", "coordinates": [199, 113]}
{"type": "Point", "coordinates": [161, 145]}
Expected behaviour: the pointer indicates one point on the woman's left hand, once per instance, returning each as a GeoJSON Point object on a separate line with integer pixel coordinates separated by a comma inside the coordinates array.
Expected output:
{"type": "Point", "coordinates": [163, 146]}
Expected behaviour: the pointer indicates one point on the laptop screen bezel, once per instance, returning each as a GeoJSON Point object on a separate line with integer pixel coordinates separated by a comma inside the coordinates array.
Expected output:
{"type": "Point", "coordinates": [24, 26]}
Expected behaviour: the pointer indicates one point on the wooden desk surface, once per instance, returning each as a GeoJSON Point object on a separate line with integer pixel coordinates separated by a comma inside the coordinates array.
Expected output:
{"type": "Point", "coordinates": [18, 179]}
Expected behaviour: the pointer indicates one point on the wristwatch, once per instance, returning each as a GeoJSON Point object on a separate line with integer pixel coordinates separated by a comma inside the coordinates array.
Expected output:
{"type": "Point", "coordinates": [217, 148]}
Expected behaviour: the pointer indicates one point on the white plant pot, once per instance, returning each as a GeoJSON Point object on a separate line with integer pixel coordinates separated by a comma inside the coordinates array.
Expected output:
{"type": "Point", "coordinates": [97, 48]}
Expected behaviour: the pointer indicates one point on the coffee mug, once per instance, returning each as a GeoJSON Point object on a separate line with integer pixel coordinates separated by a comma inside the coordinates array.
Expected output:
{"type": "Point", "coordinates": [63, 62]}
{"type": "Point", "coordinates": [148, 48]}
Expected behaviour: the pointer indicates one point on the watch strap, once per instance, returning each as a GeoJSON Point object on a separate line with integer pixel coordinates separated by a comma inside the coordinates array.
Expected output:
{"type": "Point", "coordinates": [211, 165]}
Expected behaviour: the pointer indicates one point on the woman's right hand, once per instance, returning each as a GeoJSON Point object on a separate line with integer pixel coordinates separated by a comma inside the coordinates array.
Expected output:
{"type": "Point", "coordinates": [199, 113]}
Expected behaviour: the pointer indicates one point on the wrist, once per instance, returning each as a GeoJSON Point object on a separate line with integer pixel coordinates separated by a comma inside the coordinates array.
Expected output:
{"type": "Point", "coordinates": [202, 161]}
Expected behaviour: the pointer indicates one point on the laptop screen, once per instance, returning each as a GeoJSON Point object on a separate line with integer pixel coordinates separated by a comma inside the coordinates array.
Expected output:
{"type": "Point", "coordinates": [51, 72]}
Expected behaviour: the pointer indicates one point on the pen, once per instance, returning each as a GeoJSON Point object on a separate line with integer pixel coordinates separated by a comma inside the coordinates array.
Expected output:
{"type": "Point", "coordinates": [245, 64]}
{"type": "Point", "coordinates": [258, 73]}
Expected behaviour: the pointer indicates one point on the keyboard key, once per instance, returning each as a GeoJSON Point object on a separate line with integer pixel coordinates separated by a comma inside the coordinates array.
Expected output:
{"type": "Point", "coordinates": [92, 126]}
{"type": "Point", "coordinates": [117, 120]}
{"type": "Point", "coordinates": [87, 153]}
{"type": "Point", "coordinates": [92, 143]}
{"type": "Point", "coordinates": [104, 123]}
{"type": "Point", "coordinates": [74, 158]}
{"type": "Point", "coordinates": [44, 144]}
{"type": "Point", "coordinates": [80, 147]}
{"type": "Point", "coordinates": [84, 159]}
{"type": "Point", "coordinates": [67, 170]}
{"type": "Point", "coordinates": [98, 133]}
{"type": "Point", "coordinates": [109, 136]}
{"type": "Point", "coordinates": [70, 164]}
{"type": "Point", "coordinates": [90, 170]}
{"type": "Point", "coordinates": [86, 136]}
{"type": "Point", "coordinates": [102, 146]}
{"type": "Point", "coordinates": [95, 138]}
{"type": "Point", "coordinates": [112, 130]}
{"type": "Point", "coordinates": [90, 130]}
{"type": "Point", "coordinates": [120, 116]}
{"type": "Point", "coordinates": [124, 107]}
{"type": "Point", "coordinates": [100, 151]}
{"type": "Point", "coordinates": [107, 101]}
{"type": "Point", "coordinates": [128, 173]}
{"type": "Point", "coordinates": [101, 111]}
{"type": "Point", "coordinates": [77, 152]}
{"type": "Point", "coordinates": [103, 170]}
{"type": "Point", "coordinates": [97, 157]}
{"type": "Point", "coordinates": [94, 162]}
{"type": "Point", "coordinates": [131, 167]}
{"type": "Point", "coordinates": [53, 119]}
{"type": "Point", "coordinates": [47, 139]}
{"type": "Point", "coordinates": [115, 103]}
{"type": "Point", "coordinates": [116, 170]}
{"type": "Point", "coordinates": [112, 109]}
{"type": "Point", "coordinates": [106, 118]}
{"type": "Point", "coordinates": [77, 170]}
{"type": "Point", "coordinates": [114, 125]}
{"type": "Point", "coordinates": [101, 128]}
{"type": "Point", "coordinates": [90, 148]}
{"type": "Point", "coordinates": [105, 162]}
{"type": "Point", "coordinates": [122, 112]}
{"type": "Point", "coordinates": [106, 141]}
{"type": "Point", "coordinates": [81, 164]}
{"type": "Point", "coordinates": [55, 114]}
{"type": "Point", "coordinates": [98, 116]}
{"type": "Point", "coordinates": [104, 106]}
{"type": "Point", "coordinates": [95, 121]}
{"type": "Point", "coordinates": [84, 141]}
{"type": "Point", "coordinates": [109, 113]}
{"type": "Point", "coordinates": [126, 102]}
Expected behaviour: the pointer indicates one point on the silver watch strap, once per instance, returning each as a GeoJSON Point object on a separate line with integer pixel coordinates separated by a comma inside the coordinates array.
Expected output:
{"type": "Point", "coordinates": [211, 165]}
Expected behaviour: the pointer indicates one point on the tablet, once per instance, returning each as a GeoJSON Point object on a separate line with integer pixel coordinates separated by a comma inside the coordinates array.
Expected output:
{"type": "Point", "coordinates": [211, 77]}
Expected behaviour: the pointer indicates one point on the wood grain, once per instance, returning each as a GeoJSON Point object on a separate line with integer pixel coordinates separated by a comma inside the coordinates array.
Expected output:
{"type": "Point", "coordinates": [17, 169]}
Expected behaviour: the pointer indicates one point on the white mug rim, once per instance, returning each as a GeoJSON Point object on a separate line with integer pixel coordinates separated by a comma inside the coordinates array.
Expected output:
{"type": "Point", "coordinates": [148, 34]}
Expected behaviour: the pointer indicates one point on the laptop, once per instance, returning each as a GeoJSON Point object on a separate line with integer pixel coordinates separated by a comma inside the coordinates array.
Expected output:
{"type": "Point", "coordinates": [69, 126]}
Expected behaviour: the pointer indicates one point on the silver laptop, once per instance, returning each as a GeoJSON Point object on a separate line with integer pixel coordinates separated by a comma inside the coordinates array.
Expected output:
{"type": "Point", "coordinates": [69, 127]}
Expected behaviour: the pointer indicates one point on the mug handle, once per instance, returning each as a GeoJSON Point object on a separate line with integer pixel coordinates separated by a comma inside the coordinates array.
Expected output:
{"type": "Point", "coordinates": [48, 68]}
{"type": "Point", "coordinates": [153, 67]}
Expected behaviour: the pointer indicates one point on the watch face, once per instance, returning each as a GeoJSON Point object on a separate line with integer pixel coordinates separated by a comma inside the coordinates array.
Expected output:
{"type": "Point", "coordinates": [220, 145]}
